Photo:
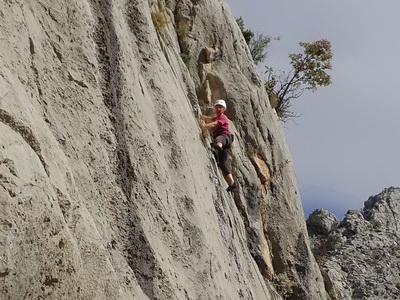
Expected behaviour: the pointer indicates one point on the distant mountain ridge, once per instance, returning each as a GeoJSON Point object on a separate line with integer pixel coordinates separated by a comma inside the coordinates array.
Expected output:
{"type": "Point", "coordinates": [360, 256]}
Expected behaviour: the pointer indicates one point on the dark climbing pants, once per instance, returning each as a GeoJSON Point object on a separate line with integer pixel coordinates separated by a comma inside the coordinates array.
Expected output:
{"type": "Point", "coordinates": [223, 161]}
{"type": "Point", "coordinates": [222, 157]}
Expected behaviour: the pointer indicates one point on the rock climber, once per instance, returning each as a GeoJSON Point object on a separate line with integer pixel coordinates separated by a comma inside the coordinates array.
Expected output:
{"type": "Point", "coordinates": [222, 139]}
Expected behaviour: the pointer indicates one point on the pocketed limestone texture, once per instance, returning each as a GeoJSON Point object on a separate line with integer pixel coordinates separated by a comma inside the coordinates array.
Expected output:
{"type": "Point", "coordinates": [108, 189]}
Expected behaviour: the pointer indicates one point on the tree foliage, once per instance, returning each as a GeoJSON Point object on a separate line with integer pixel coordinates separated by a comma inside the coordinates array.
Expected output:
{"type": "Point", "coordinates": [258, 47]}
{"type": "Point", "coordinates": [308, 72]}
{"type": "Point", "coordinates": [257, 43]}
{"type": "Point", "coordinates": [247, 33]}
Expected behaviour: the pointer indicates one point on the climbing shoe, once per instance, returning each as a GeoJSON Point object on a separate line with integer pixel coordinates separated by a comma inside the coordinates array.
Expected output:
{"type": "Point", "coordinates": [231, 187]}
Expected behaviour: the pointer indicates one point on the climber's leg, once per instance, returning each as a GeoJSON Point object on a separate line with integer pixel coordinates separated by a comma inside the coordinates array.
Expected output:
{"type": "Point", "coordinates": [229, 179]}
{"type": "Point", "coordinates": [220, 142]}
{"type": "Point", "coordinates": [222, 163]}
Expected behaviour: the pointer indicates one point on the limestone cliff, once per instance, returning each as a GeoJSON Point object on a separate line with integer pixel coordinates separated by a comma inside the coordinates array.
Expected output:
{"type": "Point", "coordinates": [108, 190]}
{"type": "Point", "coordinates": [359, 256]}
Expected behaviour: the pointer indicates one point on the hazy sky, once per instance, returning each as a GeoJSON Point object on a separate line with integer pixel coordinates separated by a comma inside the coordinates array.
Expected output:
{"type": "Point", "coordinates": [346, 144]}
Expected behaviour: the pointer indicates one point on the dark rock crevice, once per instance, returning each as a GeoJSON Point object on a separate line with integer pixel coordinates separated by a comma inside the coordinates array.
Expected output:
{"type": "Point", "coordinates": [108, 55]}
{"type": "Point", "coordinates": [26, 133]}
{"type": "Point", "coordinates": [34, 68]}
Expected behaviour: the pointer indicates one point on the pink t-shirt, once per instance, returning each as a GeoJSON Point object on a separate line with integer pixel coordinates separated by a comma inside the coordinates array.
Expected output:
{"type": "Point", "coordinates": [222, 126]}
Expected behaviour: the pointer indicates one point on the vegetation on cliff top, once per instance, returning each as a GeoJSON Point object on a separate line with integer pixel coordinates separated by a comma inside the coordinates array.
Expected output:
{"type": "Point", "coordinates": [308, 70]}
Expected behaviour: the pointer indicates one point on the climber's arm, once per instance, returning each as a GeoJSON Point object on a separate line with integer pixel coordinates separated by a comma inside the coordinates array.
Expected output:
{"type": "Point", "coordinates": [206, 119]}
{"type": "Point", "coordinates": [210, 125]}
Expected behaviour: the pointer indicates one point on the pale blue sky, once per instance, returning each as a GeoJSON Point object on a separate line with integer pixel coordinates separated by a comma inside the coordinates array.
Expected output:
{"type": "Point", "coordinates": [346, 144]}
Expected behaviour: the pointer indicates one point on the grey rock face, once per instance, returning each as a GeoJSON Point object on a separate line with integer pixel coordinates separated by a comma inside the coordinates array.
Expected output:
{"type": "Point", "coordinates": [107, 188]}
{"type": "Point", "coordinates": [321, 221]}
{"type": "Point", "coordinates": [360, 259]}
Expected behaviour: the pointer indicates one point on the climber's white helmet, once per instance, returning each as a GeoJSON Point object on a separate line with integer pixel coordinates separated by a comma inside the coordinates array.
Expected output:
{"type": "Point", "coordinates": [220, 102]}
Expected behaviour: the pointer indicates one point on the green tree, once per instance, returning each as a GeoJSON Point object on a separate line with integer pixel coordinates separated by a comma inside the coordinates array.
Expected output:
{"type": "Point", "coordinates": [308, 72]}
{"type": "Point", "coordinates": [258, 47]}
{"type": "Point", "coordinates": [257, 43]}
{"type": "Point", "coordinates": [247, 34]}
